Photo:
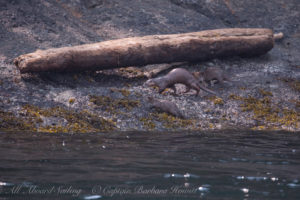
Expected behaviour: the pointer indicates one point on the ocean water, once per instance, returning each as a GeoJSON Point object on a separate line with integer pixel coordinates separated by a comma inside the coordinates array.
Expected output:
{"type": "Point", "coordinates": [149, 165]}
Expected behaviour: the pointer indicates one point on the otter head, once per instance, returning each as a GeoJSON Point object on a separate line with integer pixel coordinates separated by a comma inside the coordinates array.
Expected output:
{"type": "Point", "coordinates": [199, 77]}
{"type": "Point", "coordinates": [150, 82]}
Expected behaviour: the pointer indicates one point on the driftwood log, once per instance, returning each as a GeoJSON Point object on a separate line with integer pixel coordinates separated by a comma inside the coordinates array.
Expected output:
{"type": "Point", "coordinates": [139, 51]}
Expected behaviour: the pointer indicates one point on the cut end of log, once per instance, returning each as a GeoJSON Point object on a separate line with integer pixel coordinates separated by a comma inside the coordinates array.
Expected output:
{"type": "Point", "coordinates": [278, 36]}
{"type": "Point", "coordinates": [17, 62]}
{"type": "Point", "coordinates": [21, 63]}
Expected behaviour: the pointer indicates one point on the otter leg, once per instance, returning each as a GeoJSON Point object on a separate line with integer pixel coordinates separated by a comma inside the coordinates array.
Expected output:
{"type": "Point", "coordinates": [195, 87]}
{"type": "Point", "coordinates": [161, 90]}
{"type": "Point", "coordinates": [220, 79]}
{"type": "Point", "coordinates": [151, 107]}
{"type": "Point", "coordinates": [204, 83]}
{"type": "Point", "coordinates": [173, 88]}
{"type": "Point", "coordinates": [217, 79]}
{"type": "Point", "coordinates": [226, 78]}
{"type": "Point", "coordinates": [187, 89]}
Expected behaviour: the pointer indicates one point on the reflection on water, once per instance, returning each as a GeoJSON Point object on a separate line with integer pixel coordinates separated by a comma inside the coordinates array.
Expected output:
{"type": "Point", "coordinates": [132, 165]}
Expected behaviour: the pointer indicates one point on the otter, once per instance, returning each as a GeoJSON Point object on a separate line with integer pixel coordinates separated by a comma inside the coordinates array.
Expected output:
{"type": "Point", "coordinates": [210, 75]}
{"type": "Point", "coordinates": [178, 75]}
{"type": "Point", "coordinates": [166, 106]}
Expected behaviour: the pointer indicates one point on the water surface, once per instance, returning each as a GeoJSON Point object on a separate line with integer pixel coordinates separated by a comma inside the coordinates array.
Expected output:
{"type": "Point", "coordinates": [136, 165]}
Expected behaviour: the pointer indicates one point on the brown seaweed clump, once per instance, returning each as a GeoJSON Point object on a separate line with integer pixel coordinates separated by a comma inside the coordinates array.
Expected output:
{"type": "Point", "coordinates": [111, 104]}
{"type": "Point", "coordinates": [269, 115]}
{"type": "Point", "coordinates": [168, 121]}
{"type": "Point", "coordinates": [32, 119]}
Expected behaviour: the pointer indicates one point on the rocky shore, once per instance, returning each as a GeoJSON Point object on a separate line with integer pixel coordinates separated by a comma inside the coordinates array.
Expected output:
{"type": "Point", "coordinates": [264, 94]}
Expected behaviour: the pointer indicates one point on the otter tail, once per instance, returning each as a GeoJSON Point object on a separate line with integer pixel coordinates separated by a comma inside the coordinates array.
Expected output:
{"type": "Point", "coordinates": [207, 90]}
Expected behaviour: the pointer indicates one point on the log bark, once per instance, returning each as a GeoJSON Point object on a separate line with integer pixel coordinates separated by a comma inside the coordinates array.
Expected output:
{"type": "Point", "coordinates": [139, 51]}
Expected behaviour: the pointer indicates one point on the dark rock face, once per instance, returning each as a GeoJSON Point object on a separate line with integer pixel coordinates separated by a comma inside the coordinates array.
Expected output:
{"type": "Point", "coordinates": [266, 89]}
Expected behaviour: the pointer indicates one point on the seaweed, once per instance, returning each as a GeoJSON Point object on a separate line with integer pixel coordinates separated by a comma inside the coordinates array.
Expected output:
{"type": "Point", "coordinates": [31, 119]}
{"type": "Point", "coordinates": [293, 83]}
{"type": "Point", "coordinates": [111, 104]}
{"type": "Point", "coordinates": [271, 115]}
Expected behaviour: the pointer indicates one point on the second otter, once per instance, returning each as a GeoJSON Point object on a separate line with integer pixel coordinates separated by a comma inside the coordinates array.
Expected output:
{"type": "Point", "coordinates": [178, 75]}
{"type": "Point", "coordinates": [166, 106]}
{"type": "Point", "coordinates": [211, 74]}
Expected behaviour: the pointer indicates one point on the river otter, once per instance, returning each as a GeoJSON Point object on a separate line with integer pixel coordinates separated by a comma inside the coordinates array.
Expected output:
{"type": "Point", "coordinates": [177, 75]}
{"type": "Point", "coordinates": [166, 106]}
{"type": "Point", "coordinates": [210, 75]}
